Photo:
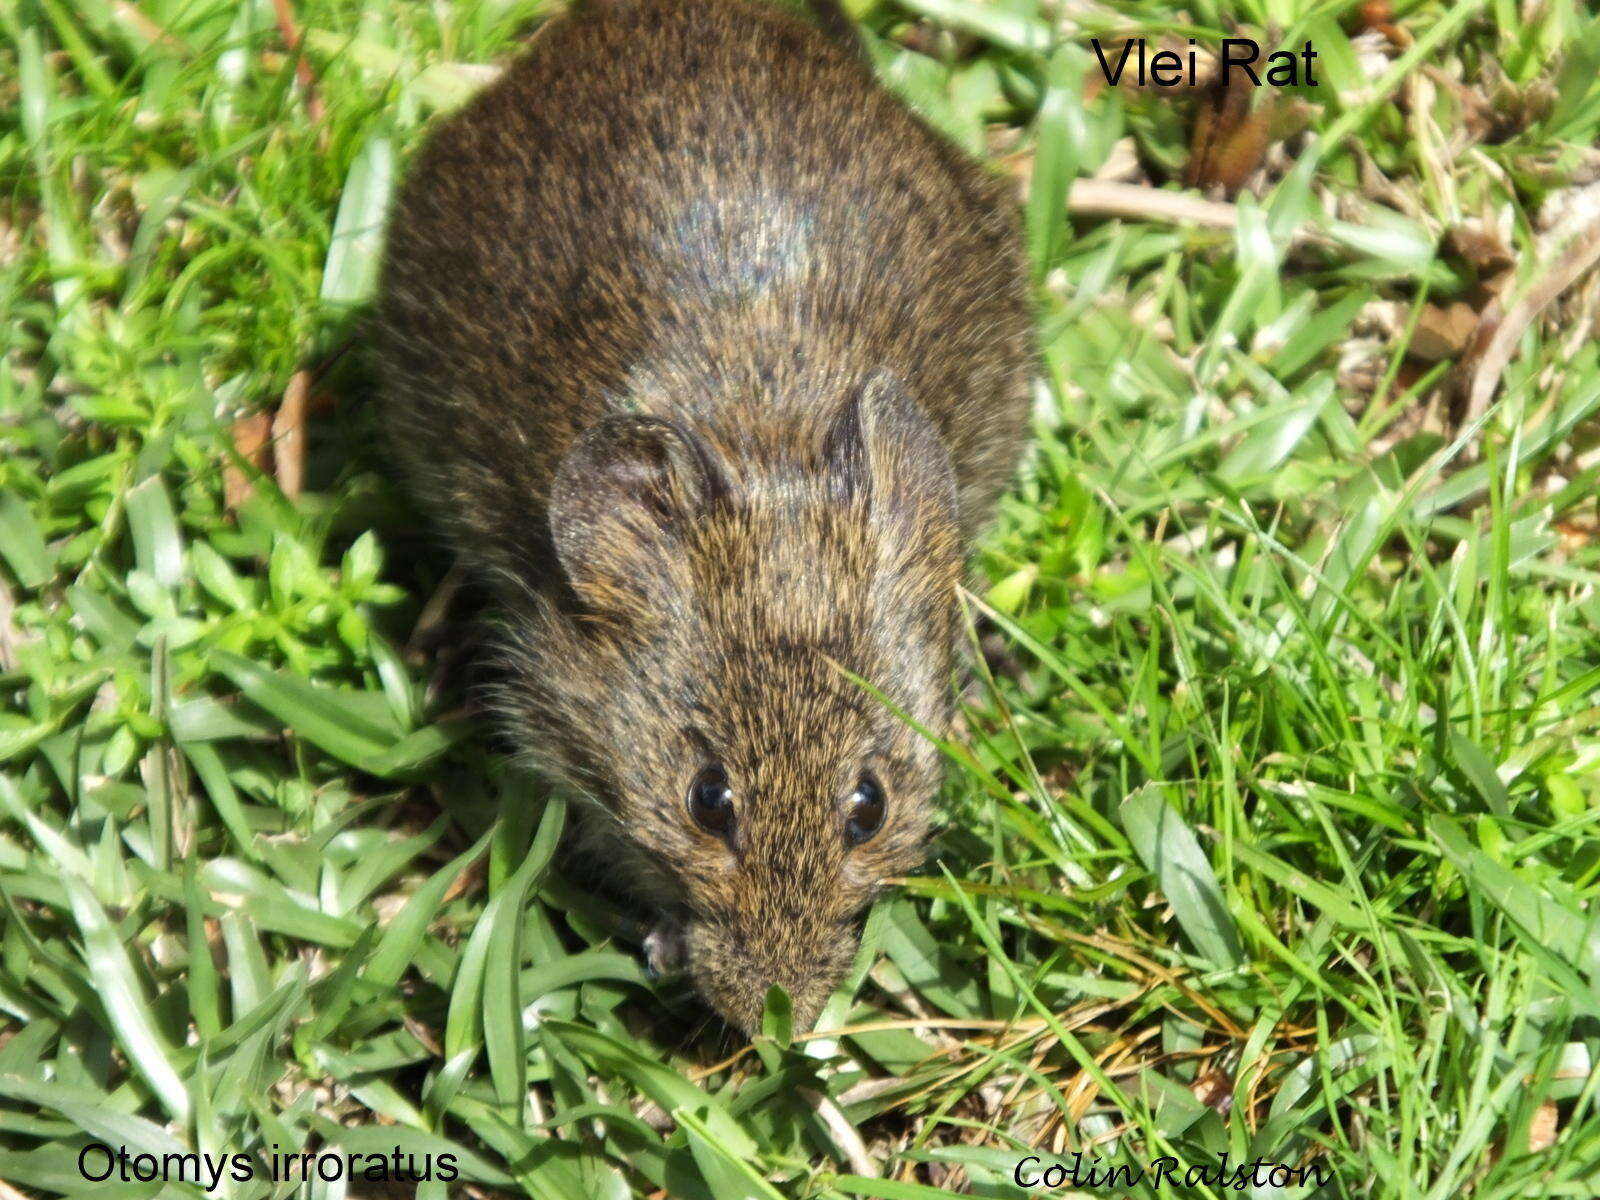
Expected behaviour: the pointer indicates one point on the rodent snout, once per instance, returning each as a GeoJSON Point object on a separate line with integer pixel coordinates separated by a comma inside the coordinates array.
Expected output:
{"type": "Point", "coordinates": [734, 964]}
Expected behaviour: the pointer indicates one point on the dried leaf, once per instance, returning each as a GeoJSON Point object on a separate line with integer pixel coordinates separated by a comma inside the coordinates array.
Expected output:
{"type": "Point", "coordinates": [1376, 13]}
{"type": "Point", "coordinates": [289, 29]}
{"type": "Point", "coordinates": [1544, 1127]}
{"type": "Point", "coordinates": [1214, 1089]}
{"type": "Point", "coordinates": [252, 438]}
{"type": "Point", "coordinates": [289, 434]}
{"type": "Point", "coordinates": [1566, 255]}
{"type": "Point", "coordinates": [1443, 332]}
{"type": "Point", "coordinates": [1230, 136]}
{"type": "Point", "coordinates": [1480, 246]}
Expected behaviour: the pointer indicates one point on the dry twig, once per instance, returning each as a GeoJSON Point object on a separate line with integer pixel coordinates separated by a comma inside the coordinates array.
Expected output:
{"type": "Point", "coordinates": [1565, 260]}
{"type": "Point", "coordinates": [1105, 198]}
{"type": "Point", "coordinates": [844, 1133]}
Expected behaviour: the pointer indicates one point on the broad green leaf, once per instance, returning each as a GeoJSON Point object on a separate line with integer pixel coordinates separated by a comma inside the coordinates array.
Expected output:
{"type": "Point", "coordinates": [725, 1169]}
{"type": "Point", "coordinates": [351, 270]}
{"type": "Point", "coordinates": [157, 542]}
{"type": "Point", "coordinates": [22, 543]}
{"type": "Point", "coordinates": [1170, 851]}
{"type": "Point", "coordinates": [323, 716]}
{"type": "Point", "coordinates": [403, 935]}
{"type": "Point", "coordinates": [666, 1087]}
{"type": "Point", "coordinates": [119, 990]}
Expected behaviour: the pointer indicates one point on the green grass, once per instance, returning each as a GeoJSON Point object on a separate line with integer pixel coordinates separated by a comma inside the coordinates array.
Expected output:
{"type": "Point", "coordinates": [1279, 838]}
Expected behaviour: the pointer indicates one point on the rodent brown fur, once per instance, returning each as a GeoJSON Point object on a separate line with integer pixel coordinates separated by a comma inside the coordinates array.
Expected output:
{"type": "Point", "coordinates": [713, 358]}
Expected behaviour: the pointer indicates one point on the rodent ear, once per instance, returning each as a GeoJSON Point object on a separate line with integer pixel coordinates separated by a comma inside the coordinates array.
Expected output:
{"type": "Point", "coordinates": [882, 449]}
{"type": "Point", "coordinates": [627, 484]}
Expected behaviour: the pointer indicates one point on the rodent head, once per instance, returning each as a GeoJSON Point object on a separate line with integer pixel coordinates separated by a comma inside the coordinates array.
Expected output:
{"type": "Point", "coordinates": [727, 590]}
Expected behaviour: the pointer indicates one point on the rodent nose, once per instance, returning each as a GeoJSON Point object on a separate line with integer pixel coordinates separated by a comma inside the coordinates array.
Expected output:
{"type": "Point", "coordinates": [734, 974]}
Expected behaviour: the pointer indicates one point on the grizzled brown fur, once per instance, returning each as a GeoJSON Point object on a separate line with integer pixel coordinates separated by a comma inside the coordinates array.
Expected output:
{"type": "Point", "coordinates": [712, 358]}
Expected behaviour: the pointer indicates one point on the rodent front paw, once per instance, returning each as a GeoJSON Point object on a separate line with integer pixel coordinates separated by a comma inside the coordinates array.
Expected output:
{"type": "Point", "coordinates": [665, 949]}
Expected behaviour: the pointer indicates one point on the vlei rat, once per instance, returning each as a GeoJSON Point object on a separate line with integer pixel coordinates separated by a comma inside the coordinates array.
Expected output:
{"type": "Point", "coordinates": [712, 359]}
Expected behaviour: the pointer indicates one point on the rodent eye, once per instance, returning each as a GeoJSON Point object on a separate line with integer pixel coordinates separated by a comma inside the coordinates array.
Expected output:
{"type": "Point", "coordinates": [711, 801]}
{"type": "Point", "coordinates": [865, 808]}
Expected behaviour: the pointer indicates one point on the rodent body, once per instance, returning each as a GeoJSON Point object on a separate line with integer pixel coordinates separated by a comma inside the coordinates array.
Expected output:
{"type": "Point", "coordinates": [713, 359]}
